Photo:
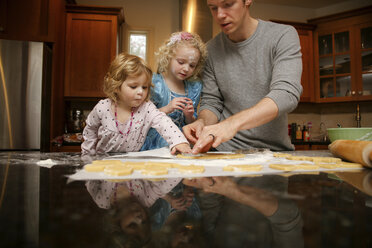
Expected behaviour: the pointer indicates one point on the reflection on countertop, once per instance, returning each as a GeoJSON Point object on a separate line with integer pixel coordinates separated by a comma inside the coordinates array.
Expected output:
{"type": "Point", "coordinates": [41, 207]}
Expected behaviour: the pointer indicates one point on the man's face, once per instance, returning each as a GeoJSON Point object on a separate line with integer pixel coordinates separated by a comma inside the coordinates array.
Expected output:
{"type": "Point", "coordinates": [229, 14]}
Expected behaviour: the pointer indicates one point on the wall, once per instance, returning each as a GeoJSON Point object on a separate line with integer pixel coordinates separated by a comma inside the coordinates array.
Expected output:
{"type": "Point", "coordinates": [281, 12]}
{"type": "Point", "coordinates": [331, 114]}
{"type": "Point", "coordinates": [160, 16]}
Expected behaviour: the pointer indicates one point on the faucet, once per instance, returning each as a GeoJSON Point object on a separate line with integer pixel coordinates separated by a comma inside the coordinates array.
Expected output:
{"type": "Point", "coordinates": [323, 131]}
{"type": "Point", "coordinates": [358, 118]}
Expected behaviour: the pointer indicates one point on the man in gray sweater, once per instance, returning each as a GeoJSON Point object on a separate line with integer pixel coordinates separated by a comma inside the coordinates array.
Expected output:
{"type": "Point", "coordinates": [252, 80]}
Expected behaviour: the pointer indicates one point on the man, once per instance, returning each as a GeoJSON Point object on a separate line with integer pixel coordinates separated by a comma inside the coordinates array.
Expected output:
{"type": "Point", "coordinates": [251, 81]}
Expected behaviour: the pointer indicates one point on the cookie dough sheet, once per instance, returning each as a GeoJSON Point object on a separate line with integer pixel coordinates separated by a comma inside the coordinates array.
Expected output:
{"type": "Point", "coordinates": [214, 167]}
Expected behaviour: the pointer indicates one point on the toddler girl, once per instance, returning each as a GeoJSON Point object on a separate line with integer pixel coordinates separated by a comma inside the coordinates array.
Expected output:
{"type": "Point", "coordinates": [177, 86]}
{"type": "Point", "coordinates": [120, 123]}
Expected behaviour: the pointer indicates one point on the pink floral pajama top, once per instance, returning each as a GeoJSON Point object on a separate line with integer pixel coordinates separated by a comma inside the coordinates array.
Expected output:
{"type": "Point", "coordinates": [101, 134]}
{"type": "Point", "coordinates": [147, 192]}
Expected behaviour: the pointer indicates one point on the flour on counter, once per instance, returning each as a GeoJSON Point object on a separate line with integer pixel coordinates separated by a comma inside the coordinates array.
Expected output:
{"type": "Point", "coordinates": [46, 163]}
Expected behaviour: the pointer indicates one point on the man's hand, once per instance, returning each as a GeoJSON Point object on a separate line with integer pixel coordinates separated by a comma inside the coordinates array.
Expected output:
{"type": "Point", "coordinates": [214, 135]}
{"type": "Point", "coordinates": [193, 130]}
{"type": "Point", "coordinates": [219, 185]}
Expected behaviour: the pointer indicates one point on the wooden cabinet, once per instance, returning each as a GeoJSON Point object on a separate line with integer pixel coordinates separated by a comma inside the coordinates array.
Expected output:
{"type": "Point", "coordinates": [33, 20]}
{"type": "Point", "coordinates": [92, 42]}
{"type": "Point", "coordinates": [305, 33]}
{"type": "Point", "coordinates": [343, 56]}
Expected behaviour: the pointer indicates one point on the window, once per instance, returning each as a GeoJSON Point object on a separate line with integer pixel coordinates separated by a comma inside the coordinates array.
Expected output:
{"type": "Point", "coordinates": [138, 43]}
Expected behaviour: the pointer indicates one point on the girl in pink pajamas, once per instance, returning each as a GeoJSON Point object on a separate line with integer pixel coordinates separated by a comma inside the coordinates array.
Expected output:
{"type": "Point", "coordinates": [120, 123]}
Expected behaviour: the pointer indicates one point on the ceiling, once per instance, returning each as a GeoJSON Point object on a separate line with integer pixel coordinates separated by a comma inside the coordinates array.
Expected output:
{"type": "Point", "coordinates": [312, 4]}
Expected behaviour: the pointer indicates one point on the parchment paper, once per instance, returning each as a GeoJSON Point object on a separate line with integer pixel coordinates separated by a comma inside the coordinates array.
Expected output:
{"type": "Point", "coordinates": [212, 167]}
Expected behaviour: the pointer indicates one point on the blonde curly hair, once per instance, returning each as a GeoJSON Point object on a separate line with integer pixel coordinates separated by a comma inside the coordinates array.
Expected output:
{"type": "Point", "coordinates": [167, 51]}
{"type": "Point", "coordinates": [122, 67]}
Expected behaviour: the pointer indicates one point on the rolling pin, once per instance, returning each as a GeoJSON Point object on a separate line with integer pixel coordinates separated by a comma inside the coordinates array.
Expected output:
{"type": "Point", "coordinates": [353, 151]}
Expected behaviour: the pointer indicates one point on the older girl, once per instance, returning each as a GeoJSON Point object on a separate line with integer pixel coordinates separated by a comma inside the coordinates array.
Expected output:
{"type": "Point", "coordinates": [177, 86]}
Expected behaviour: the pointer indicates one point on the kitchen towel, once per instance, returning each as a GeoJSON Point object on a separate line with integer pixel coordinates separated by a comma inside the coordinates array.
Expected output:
{"type": "Point", "coordinates": [353, 150]}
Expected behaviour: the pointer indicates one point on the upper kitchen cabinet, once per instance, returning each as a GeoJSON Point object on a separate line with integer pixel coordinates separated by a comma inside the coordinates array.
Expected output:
{"type": "Point", "coordinates": [31, 20]}
{"type": "Point", "coordinates": [92, 41]}
{"type": "Point", "coordinates": [305, 33]}
{"type": "Point", "coordinates": [343, 56]}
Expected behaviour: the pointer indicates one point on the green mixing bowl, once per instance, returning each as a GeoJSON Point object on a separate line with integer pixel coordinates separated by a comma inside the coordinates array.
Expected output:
{"type": "Point", "coordinates": [362, 133]}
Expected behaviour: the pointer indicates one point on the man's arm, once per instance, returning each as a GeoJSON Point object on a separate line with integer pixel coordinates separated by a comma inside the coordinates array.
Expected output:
{"type": "Point", "coordinates": [263, 112]}
{"type": "Point", "coordinates": [208, 117]}
{"type": "Point", "coordinates": [261, 200]}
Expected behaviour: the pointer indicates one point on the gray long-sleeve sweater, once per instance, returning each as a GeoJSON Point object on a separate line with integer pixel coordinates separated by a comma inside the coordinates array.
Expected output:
{"type": "Point", "coordinates": [238, 75]}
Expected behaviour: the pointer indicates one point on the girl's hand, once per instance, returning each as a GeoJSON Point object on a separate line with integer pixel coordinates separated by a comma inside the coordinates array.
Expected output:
{"type": "Point", "coordinates": [177, 103]}
{"type": "Point", "coordinates": [181, 148]}
{"type": "Point", "coordinates": [188, 112]}
{"type": "Point", "coordinates": [188, 194]}
{"type": "Point", "coordinates": [183, 202]}
{"type": "Point", "coordinates": [179, 203]}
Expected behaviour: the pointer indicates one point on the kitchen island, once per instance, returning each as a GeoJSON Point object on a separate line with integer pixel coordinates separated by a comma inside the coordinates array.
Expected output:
{"type": "Point", "coordinates": [41, 207]}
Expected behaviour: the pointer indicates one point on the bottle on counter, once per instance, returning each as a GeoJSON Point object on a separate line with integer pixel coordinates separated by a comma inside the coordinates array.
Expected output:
{"type": "Point", "coordinates": [305, 134]}
{"type": "Point", "coordinates": [299, 133]}
{"type": "Point", "coordinates": [293, 131]}
{"type": "Point", "coordinates": [309, 127]}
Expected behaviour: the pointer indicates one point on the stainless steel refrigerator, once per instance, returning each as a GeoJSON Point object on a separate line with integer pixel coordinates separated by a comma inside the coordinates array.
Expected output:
{"type": "Point", "coordinates": [24, 98]}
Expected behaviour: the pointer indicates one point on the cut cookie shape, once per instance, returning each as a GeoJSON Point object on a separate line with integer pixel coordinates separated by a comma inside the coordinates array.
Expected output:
{"type": "Point", "coordinates": [349, 165]}
{"type": "Point", "coordinates": [326, 160]}
{"type": "Point", "coordinates": [118, 170]}
{"type": "Point", "coordinates": [94, 167]}
{"type": "Point", "coordinates": [154, 170]}
{"type": "Point", "coordinates": [213, 156]}
{"type": "Point", "coordinates": [105, 162]}
{"type": "Point", "coordinates": [243, 167]}
{"type": "Point", "coordinates": [284, 167]}
{"type": "Point", "coordinates": [191, 169]}
{"type": "Point", "coordinates": [282, 155]}
{"type": "Point", "coordinates": [300, 158]}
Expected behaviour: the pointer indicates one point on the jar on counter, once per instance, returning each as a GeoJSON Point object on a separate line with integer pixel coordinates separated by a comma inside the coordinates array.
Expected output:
{"type": "Point", "coordinates": [75, 121]}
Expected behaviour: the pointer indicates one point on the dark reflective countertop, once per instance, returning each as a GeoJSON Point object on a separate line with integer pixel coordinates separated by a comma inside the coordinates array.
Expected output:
{"type": "Point", "coordinates": [41, 207]}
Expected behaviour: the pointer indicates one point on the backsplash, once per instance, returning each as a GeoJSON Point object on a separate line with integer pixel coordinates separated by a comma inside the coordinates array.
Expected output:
{"type": "Point", "coordinates": [331, 114]}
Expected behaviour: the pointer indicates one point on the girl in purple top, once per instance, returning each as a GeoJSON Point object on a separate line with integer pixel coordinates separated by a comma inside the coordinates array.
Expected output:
{"type": "Point", "coordinates": [120, 123]}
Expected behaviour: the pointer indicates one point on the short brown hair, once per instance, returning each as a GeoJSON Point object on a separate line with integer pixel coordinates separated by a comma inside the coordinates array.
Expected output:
{"type": "Point", "coordinates": [122, 67]}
